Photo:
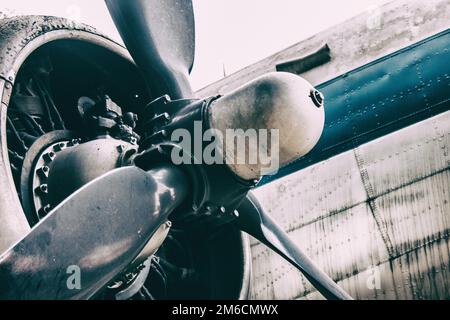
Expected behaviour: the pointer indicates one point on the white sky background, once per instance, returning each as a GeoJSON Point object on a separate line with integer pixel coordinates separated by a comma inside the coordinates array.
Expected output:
{"type": "Point", "coordinates": [230, 33]}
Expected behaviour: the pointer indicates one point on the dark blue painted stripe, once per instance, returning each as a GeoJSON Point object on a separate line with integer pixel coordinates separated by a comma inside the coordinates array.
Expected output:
{"type": "Point", "coordinates": [383, 96]}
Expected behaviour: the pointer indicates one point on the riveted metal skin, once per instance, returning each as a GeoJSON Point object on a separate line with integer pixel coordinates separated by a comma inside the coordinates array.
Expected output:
{"type": "Point", "coordinates": [381, 97]}
{"type": "Point", "coordinates": [255, 221]}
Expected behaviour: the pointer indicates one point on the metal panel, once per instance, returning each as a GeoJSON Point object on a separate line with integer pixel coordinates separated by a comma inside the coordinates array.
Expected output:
{"type": "Point", "coordinates": [381, 97]}
{"type": "Point", "coordinates": [295, 201]}
{"type": "Point", "coordinates": [342, 244]}
{"type": "Point", "coordinates": [421, 274]}
{"type": "Point", "coordinates": [371, 35]}
{"type": "Point", "coordinates": [416, 153]}
{"type": "Point", "coordinates": [417, 214]}
{"type": "Point", "coordinates": [390, 197]}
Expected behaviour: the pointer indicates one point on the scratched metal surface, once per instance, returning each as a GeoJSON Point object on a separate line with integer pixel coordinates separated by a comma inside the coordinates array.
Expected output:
{"type": "Point", "coordinates": [388, 69]}
{"type": "Point", "coordinates": [373, 34]}
{"type": "Point", "coordinates": [375, 207]}
{"type": "Point", "coordinates": [383, 96]}
{"type": "Point", "coordinates": [381, 209]}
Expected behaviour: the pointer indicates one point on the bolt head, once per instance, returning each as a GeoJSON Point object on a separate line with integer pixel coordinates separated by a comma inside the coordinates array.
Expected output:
{"type": "Point", "coordinates": [43, 171]}
{"type": "Point", "coordinates": [44, 211]}
{"type": "Point", "coordinates": [59, 147]}
{"type": "Point", "coordinates": [49, 156]}
{"type": "Point", "coordinates": [317, 98]}
{"type": "Point", "coordinates": [42, 189]}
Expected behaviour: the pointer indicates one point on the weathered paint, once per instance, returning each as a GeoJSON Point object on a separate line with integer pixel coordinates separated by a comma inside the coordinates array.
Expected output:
{"type": "Point", "coordinates": [383, 205]}
{"type": "Point", "coordinates": [356, 42]}
{"type": "Point", "coordinates": [373, 198]}
{"type": "Point", "coordinates": [390, 93]}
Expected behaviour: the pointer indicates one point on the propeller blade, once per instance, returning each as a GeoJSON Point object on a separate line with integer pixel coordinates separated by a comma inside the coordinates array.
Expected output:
{"type": "Point", "coordinates": [160, 36]}
{"type": "Point", "coordinates": [97, 232]}
{"type": "Point", "coordinates": [256, 222]}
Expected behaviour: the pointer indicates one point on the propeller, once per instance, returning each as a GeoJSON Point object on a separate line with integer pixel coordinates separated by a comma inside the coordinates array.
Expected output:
{"type": "Point", "coordinates": [256, 222]}
{"type": "Point", "coordinates": [98, 231]}
{"type": "Point", "coordinates": [160, 36]}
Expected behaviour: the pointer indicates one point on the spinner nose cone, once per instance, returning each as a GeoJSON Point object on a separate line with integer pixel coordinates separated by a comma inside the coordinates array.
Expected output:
{"type": "Point", "coordinates": [278, 101]}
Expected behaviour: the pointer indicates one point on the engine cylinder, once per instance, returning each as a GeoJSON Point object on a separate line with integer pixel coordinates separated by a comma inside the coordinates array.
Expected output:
{"type": "Point", "coordinates": [74, 167]}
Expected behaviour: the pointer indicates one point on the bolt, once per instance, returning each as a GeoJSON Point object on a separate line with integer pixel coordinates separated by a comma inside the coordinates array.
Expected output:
{"type": "Point", "coordinates": [166, 116]}
{"type": "Point", "coordinates": [43, 171]}
{"type": "Point", "coordinates": [317, 97]}
{"type": "Point", "coordinates": [236, 214]}
{"type": "Point", "coordinates": [42, 189]}
{"type": "Point", "coordinates": [49, 156]}
{"type": "Point", "coordinates": [120, 148]}
{"type": "Point", "coordinates": [169, 224]}
{"type": "Point", "coordinates": [44, 211]}
{"type": "Point", "coordinates": [222, 210]}
{"type": "Point", "coordinates": [74, 142]}
{"type": "Point", "coordinates": [59, 147]}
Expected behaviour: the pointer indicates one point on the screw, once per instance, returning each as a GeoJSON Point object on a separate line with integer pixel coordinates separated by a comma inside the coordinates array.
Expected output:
{"type": "Point", "coordinates": [222, 210]}
{"type": "Point", "coordinates": [236, 214]}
